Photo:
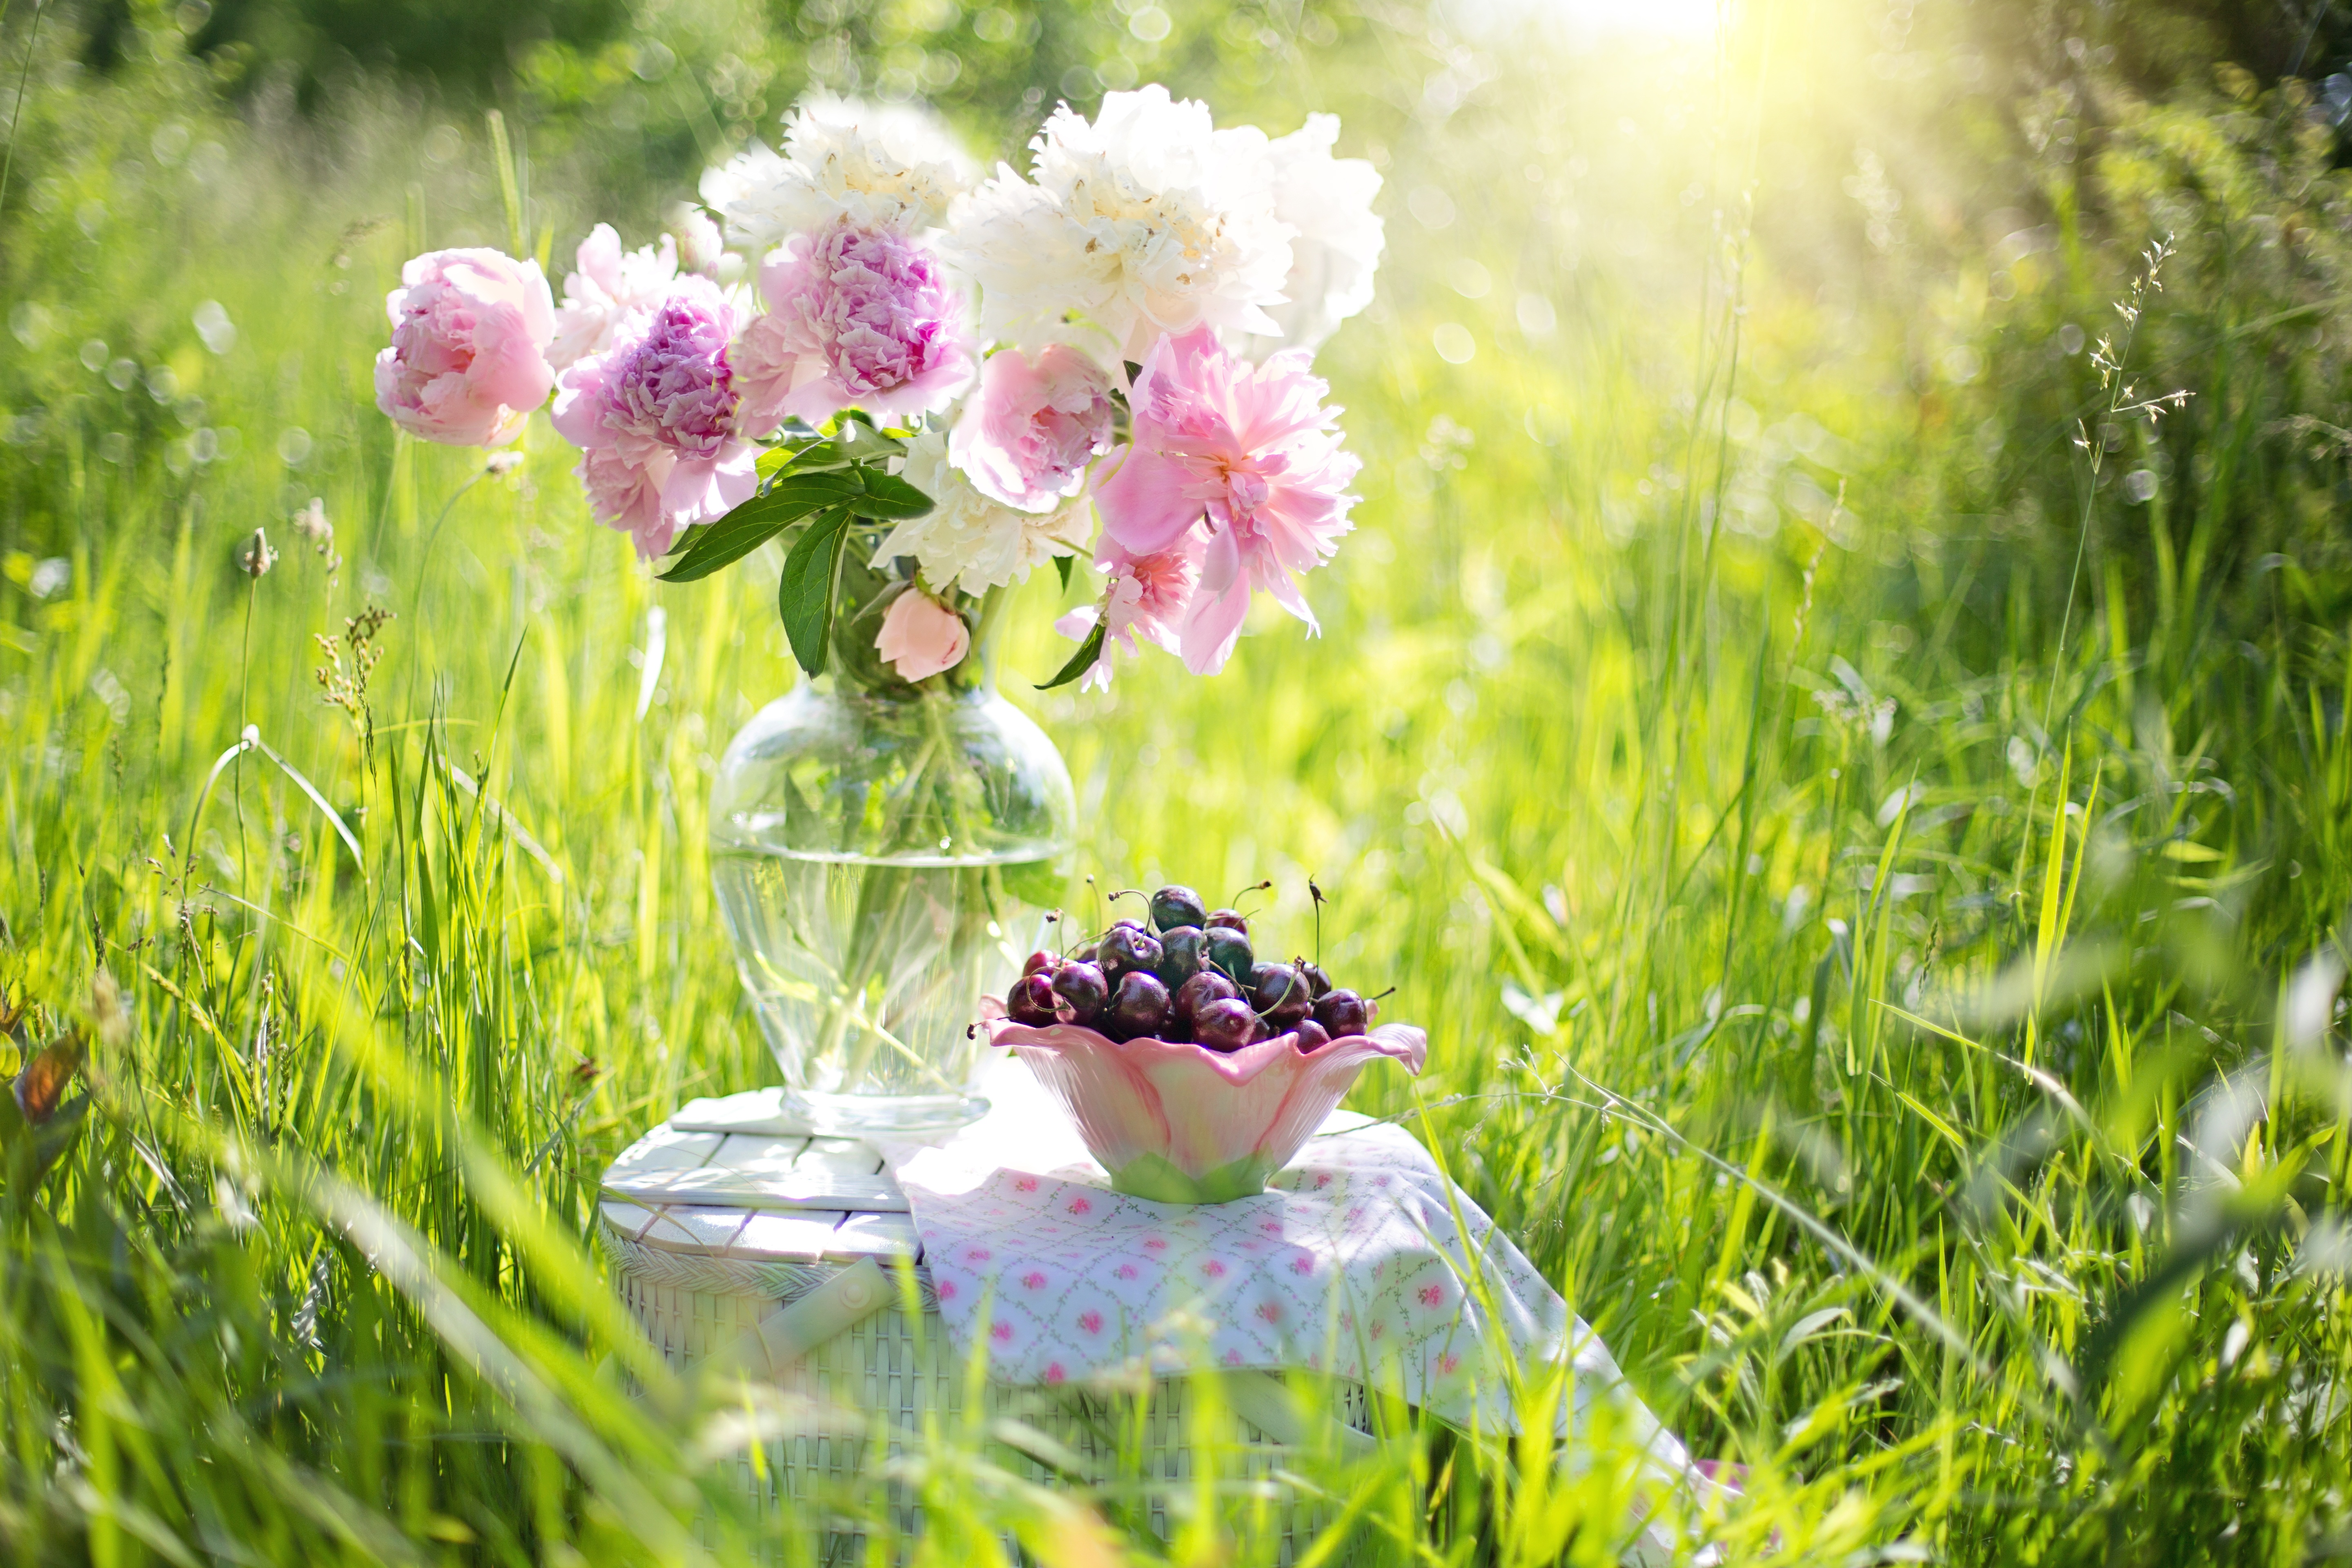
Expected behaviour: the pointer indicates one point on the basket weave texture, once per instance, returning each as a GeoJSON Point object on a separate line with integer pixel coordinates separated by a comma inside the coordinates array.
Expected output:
{"type": "Point", "coordinates": [895, 1376]}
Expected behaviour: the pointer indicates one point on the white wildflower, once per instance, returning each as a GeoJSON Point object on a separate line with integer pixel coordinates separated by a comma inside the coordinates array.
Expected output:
{"type": "Point", "coordinates": [609, 286]}
{"type": "Point", "coordinates": [880, 167]}
{"type": "Point", "coordinates": [969, 542]}
{"type": "Point", "coordinates": [1148, 219]}
{"type": "Point", "coordinates": [254, 557]}
{"type": "Point", "coordinates": [1339, 239]}
{"type": "Point", "coordinates": [310, 525]}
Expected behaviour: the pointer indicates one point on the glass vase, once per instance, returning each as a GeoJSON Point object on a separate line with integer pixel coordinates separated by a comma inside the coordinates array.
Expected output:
{"type": "Point", "coordinates": [885, 854]}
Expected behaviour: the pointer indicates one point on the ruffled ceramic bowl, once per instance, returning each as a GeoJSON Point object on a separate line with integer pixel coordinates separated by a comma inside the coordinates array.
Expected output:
{"type": "Point", "coordinates": [1181, 1124]}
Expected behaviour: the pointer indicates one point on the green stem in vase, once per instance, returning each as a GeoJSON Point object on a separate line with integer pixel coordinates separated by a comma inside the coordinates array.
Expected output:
{"type": "Point", "coordinates": [927, 818]}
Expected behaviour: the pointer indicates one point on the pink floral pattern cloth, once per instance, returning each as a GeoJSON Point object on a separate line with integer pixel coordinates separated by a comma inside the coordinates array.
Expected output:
{"type": "Point", "coordinates": [1351, 1264]}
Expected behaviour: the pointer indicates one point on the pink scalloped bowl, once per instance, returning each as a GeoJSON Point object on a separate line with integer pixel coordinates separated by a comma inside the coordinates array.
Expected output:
{"type": "Point", "coordinates": [1182, 1124]}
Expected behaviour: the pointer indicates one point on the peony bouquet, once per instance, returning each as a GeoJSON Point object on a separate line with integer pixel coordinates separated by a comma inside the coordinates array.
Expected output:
{"type": "Point", "coordinates": [925, 384]}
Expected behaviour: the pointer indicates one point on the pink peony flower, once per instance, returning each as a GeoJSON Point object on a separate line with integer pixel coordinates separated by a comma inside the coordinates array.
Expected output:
{"type": "Point", "coordinates": [855, 316]}
{"type": "Point", "coordinates": [1146, 597]}
{"type": "Point", "coordinates": [1248, 453]}
{"type": "Point", "coordinates": [1177, 1124]}
{"type": "Point", "coordinates": [609, 286]}
{"type": "Point", "coordinates": [654, 417]}
{"type": "Point", "coordinates": [920, 636]}
{"type": "Point", "coordinates": [1026, 439]}
{"type": "Point", "coordinates": [469, 357]}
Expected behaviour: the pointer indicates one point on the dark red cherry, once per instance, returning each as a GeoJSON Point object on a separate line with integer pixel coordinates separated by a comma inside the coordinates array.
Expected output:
{"type": "Point", "coordinates": [1198, 992]}
{"type": "Point", "coordinates": [1319, 983]}
{"type": "Point", "coordinates": [1229, 950]}
{"type": "Point", "coordinates": [1140, 1006]}
{"type": "Point", "coordinates": [1127, 949]}
{"type": "Point", "coordinates": [1174, 906]}
{"type": "Point", "coordinates": [1083, 990]}
{"type": "Point", "coordinates": [1032, 1001]}
{"type": "Point", "coordinates": [1279, 994]}
{"type": "Point", "coordinates": [1311, 1035]}
{"type": "Point", "coordinates": [1041, 963]}
{"type": "Point", "coordinates": [1231, 920]}
{"type": "Point", "coordinates": [1343, 1012]}
{"type": "Point", "coordinates": [1225, 1026]}
{"type": "Point", "coordinates": [1181, 952]}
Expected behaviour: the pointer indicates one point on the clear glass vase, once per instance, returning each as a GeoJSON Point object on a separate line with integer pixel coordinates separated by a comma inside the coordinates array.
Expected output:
{"type": "Point", "coordinates": [884, 855]}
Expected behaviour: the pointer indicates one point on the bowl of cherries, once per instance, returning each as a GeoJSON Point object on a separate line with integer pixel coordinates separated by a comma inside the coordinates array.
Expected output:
{"type": "Point", "coordinates": [1193, 1070]}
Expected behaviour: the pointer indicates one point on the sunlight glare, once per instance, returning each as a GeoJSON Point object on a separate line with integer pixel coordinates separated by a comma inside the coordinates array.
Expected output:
{"type": "Point", "coordinates": [1651, 19]}
{"type": "Point", "coordinates": [1659, 19]}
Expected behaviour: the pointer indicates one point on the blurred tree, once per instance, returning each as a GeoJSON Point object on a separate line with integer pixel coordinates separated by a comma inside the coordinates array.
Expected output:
{"type": "Point", "coordinates": [460, 42]}
{"type": "Point", "coordinates": [2157, 48]}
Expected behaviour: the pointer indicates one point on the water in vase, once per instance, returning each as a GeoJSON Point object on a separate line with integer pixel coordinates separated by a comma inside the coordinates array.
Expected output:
{"type": "Point", "coordinates": [865, 973]}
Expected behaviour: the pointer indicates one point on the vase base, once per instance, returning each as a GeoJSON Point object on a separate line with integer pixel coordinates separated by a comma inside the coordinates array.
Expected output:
{"type": "Point", "coordinates": [857, 1115]}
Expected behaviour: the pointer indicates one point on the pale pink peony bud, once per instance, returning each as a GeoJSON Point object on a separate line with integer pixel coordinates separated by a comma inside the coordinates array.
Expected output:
{"type": "Point", "coordinates": [920, 636]}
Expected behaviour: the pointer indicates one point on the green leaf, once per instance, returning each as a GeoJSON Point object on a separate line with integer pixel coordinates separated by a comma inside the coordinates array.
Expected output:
{"type": "Point", "coordinates": [775, 459]}
{"type": "Point", "coordinates": [1062, 564]}
{"type": "Point", "coordinates": [806, 595]}
{"type": "Point", "coordinates": [857, 440]}
{"type": "Point", "coordinates": [812, 458]}
{"type": "Point", "coordinates": [888, 496]}
{"type": "Point", "coordinates": [757, 521]}
{"type": "Point", "coordinates": [1080, 661]}
{"type": "Point", "coordinates": [821, 489]}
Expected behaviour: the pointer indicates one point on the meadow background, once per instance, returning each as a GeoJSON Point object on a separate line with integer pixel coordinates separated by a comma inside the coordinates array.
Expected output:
{"type": "Point", "coordinates": [1863, 806]}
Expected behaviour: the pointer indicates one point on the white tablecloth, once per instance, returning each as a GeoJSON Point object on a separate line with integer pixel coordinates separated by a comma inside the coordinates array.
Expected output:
{"type": "Point", "coordinates": [1354, 1265]}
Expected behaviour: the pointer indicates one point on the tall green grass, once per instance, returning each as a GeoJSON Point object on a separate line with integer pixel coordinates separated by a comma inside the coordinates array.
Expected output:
{"type": "Point", "coordinates": [1908, 1031]}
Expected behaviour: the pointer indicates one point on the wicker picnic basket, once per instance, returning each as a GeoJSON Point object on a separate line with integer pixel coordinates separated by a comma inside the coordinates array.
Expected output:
{"type": "Point", "coordinates": [713, 1233]}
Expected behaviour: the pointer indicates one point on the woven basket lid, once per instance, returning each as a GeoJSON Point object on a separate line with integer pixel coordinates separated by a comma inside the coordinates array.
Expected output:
{"type": "Point", "coordinates": [737, 1178]}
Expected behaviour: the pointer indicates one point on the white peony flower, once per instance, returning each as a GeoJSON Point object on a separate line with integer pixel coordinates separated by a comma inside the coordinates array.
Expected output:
{"type": "Point", "coordinates": [1148, 219]}
{"type": "Point", "coordinates": [1337, 246]}
{"type": "Point", "coordinates": [609, 286]}
{"type": "Point", "coordinates": [880, 167]}
{"type": "Point", "coordinates": [969, 542]}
